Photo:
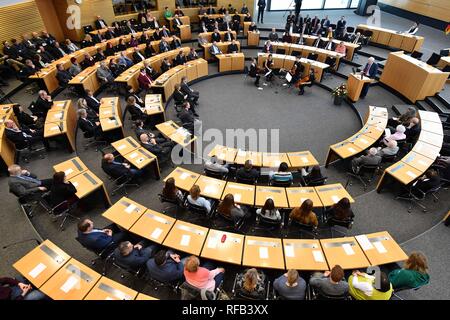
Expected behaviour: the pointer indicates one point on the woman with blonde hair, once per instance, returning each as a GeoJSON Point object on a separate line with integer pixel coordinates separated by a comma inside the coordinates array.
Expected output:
{"type": "Point", "coordinates": [413, 274]}
{"type": "Point", "coordinates": [202, 277]}
{"type": "Point", "coordinates": [304, 214]}
{"type": "Point", "coordinates": [195, 199]}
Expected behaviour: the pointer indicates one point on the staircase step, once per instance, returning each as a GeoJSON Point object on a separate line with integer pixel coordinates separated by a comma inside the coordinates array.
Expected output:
{"type": "Point", "coordinates": [442, 99]}
{"type": "Point", "coordinates": [401, 108]}
{"type": "Point", "coordinates": [437, 105]}
{"type": "Point", "coordinates": [423, 105]}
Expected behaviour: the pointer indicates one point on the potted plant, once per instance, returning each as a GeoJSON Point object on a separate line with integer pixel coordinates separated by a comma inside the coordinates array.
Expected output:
{"type": "Point", "coordinates": [339, 93]}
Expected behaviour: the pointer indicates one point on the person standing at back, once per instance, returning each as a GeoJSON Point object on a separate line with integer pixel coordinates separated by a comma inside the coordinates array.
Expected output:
{"type": "Point", "coordinates": [261, 8]}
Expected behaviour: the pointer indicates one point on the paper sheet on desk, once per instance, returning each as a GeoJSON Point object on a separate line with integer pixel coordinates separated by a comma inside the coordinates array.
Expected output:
{"type": "Point", "coordinates": [364, 242]}
{"type": "Point", "coordinates": [348, 249]}
{"type": "Point", "coordinates": [237, 197]}
{"type": "Point", "coordinates": [318, 256]}
{"type": "Point", "coordinates": [379, 246]}
{"type": "Point", "coordinates": [37, 270]}
{"type": "Point", "coordinates": [130, 208]}
{"type": "Point", "coordinates": [264, 253]}
{"type": "Point", "coordinates": [210, 189]}
{"type": "Point", "coordinates": [156, 233]}
{"type": "Point", "coordinates": [184, 175]}
{"type": "Point", "coordinates": [68, 171]}
{"type": "Point", "coordinates": [335, 199]}
{"type": "Point", "coordinates": [289, 251]}
{"type": "Point", "coordinates": [213, 242]}
{"type": "Point", "coordinates": [185, 239]}
{"type": "Point", "coordinates": [69, 284]}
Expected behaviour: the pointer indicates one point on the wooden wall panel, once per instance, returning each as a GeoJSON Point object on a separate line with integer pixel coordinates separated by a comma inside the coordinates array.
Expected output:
{"type": "Point", "coordinates": [437, 9]}
{"type": "Point", "coordinates": [18, 19]}
{"type": "Point", "coordinates": [50, 18]}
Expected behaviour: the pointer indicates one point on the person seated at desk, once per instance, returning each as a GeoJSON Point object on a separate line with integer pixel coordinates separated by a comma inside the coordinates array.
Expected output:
{"type": "Point", "coordinates": [100, 23]}
{"type": "Point", "coordinates": [192, 55]}
{"type": "Point", "coordinates": [124, 60]}
{"type": "Point", "coordinates": [229, 209]}
{"type": "Point", "coordinates": [99, 56]}
{"type": "Point", "coordinates": [210, 10]}
{"type": "Point", "coordinates": [425, 183]}
{"type": "Point", "coordinates": [304, 214]}
{"type": "Point", "coordinates": [131, 93]}
{"type": "Point", "coordinates": [176, 43]}
{"type": "Point", "coordinates": [145, 82]}
{"type": "Point", "coordinates": [43, 104]}
{"type": "Point", "coordinates": [180, 59]}
{"type": "Point", "coordinates": [329, 33]}
{"type": "Point", "coordinates": [115, 68]}
{"type": "Point", "coordinates": [252, 27]}
{"type": "Point", "coordinates": [228, 36]}
{"type": "Point", "coordinates": [19, 288]}
{"type": "Point", "coordinates": [404, 119]}
{"type": "Point", "coordinates": [26, 120]}
{"type": "Point", "coordinates": [282, 175]}
{"type": "Point", "coordinates": [92, 101]}
{"type": "Point", "coordinates": [153, 24]}
{"type": "Point", "coordinates": [414, 28]}
{"type": "Point", "coordinates": [165, 33]}
{"type": "Point", "coordinates": [248, 17]}
{"type": "Point", "coordinates": [414, 273]}
{"type": "Point", "coordinates": [273, 36]}
{"type": "Point", "coordinates": [233, 47]}
{"type": "Point", "coordinates": [132, 256]}
{"type": "Point", "coordinates": [215, 36]}
{"type": "Point", "coordinates": [89, 127]}
{"type": "Point", "coordinates": [63, 76]}
{"type": "Point", "coordinates": [195, 198]}
{"type": "Point", "coordinates": [287, 38]}
{"type": "Point", "coordinates": [366, 287]}
{"type": "Point", "coordinates": [268, 211]}
{"type": "Point", "coordinates": [178, 11]}
{"type": "Point", "coordinates": [37, 60]}
{"type": "Point", "coordinates": [136, 110]}
{"type": "Point", "coordinates": [187, 118]}
{"type": "Point", "coordinates": [341, 48]}
{"type": "Point", "coordinates": [88, 61]}
{"type": "Point", "coordinates": [317, 31]}
{"type": "Point", "coordinates": [252, 284]}
{"type": "Point", "coordinates": [213, 165]}
{"type": "Point", "coordinates": [56, 50]}
{"type": "Point", "coordinates": [254, 72]}
{"type": "Point", "coordinates": [46, 56]}
{"type": "Point", "coordinates": [413, 129]}
{"type": "Point", "coordinates": [370, 70]}
{"type": "Point", "coordinates": [70, 46]}
{"type": "Point", "coordinates": [149, 51]}
{"type": "Point", "coordinates": [176, 23]}
{"type": "Point", "coordinates": [98, 239]}
{"type": "Point", "coordinates": [91, 114]}
{"type": "Point", "coordinates": [151, 72]}
{"type": "Point", "coordinates": [22, 183]}
{"type": "Point", "coordinates": [313, 175]}
{"type": "Point", "coordinates": [244, 9]}
{"type": "Point", "coordinates": [186, 89]}
{"type": "Point", "coordinates": [137, 56]}
{"type": "Point", "coordinates": [121, 46]}
{"type": "Point", "coordinates": [330, 283]}
{"type": "Point", "coordinates": [87, 42]}
{"type": "Point", "coordinates": [60, 191]}
{"type": "Point", "coordinates": [268, 64]}
{"type": "Point", "coordinates": [159, 149]}
{"type": "Point", "coordinates": [104, 74]}
{"type": "Point", "coordinates": [110, 34]}
{"type": "Point", "coordinates": [28, 70]}
{"type": "Point", "coordinates": [290, 286]}
{"type": "Point", "coordinates": [268, 48]}
{"type": "Point", "coordinates": [397, 136]}
{"type": "Point", "coordinates": [145, 38]}
{"type": "Point", "coordinates": [117, 169]}
{"type": "Point", "coordinates": [166, 266]}
{"type": "Point", "coordinates": [129, 29]}
{"type": "Point", "coordinates": [75, 67]}
{"type": "Point", "coordinates": [202, 277]}
{"type": "Point", "coordinates": [167, 13]}
{"type": "Point", "coordinates": [23, 137]}
{"type": "Point", "coordinates": [214, 49]}
{"type": "Point", "coordinates": [180, 97]}
{"type": "Point", "coordinates": [171, 192]}
{"type": "Point", "coordinates": [329, 45]}
{"type": "Point", "coordinates": [370, 159]}
{"type": "Point", "coordinates": [165, 65]}
{"type": "Point", "coordinates": [247, 172]}
{"type": "Point", "coordinates": [341, 210]}
{"type": "Point", "coordinates": [390, 149]}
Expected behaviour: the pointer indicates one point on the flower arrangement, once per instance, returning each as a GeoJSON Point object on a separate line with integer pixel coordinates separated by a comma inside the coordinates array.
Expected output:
{"type": "Point", "coordinates": [340, 91]}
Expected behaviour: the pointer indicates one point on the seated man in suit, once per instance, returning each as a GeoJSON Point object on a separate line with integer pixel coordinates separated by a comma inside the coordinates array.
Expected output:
{"type": "Point", "coordinates": [62, 75]}
{"type": "Point", "coordinates": [228, 36]}
{"type": "Point", "coordinates": [159, 149]}
{"type": "Point", "coordinates": [370, 70]}
{"type": "Point", "coordinates": [214, 49]}
{"type": "Point", "coordinates": [165, 266]}
{"type": "Point", "coordinates": [104, 74]}
{"type": "Point", "coordinates": [145, 82]}
{"type": "Point", "coordinates": [273, 36]}
{"type": "Point", "coordinates": [116, 169]}
{"type": "Point", "coordinates": [151, 72]}
{"type": "Point", "coordinates": [188, 119]}
{"type": "Point", "coordinates": [98, 239]}
{"type": "Point", "coordinates": [163, 46]}
{"type": "Point", "coordinates": [137, 56]}
{"type": "Point", "coordinates": [124, 60]}
{"type": "Point", "coordinates": [192, 94]}
{"type": "Point", "coordinates": [247, 172]}
{"type": "Point", "coordinates": [193, 55]}
{"type": "Point", "coordinates": [165, 65]}
{"type": "Point", "coordinates": [180, 97]}
{"type": "Point", "coordinates": [165, 33]}
{"type": "Point", "coordinates": [23, 138]}
{"type": "Point", "coordinates": [176, 43]}
{"type": "Point", "coordinates": [100, 23]}
{"type": "Point", "coordinates": [100, 55]}
{"type": "Point", "coordinates": [90, 128]}
{"type": "Point", "coordinates": [329, 45]}
{"type": "Point", "coordinates": [24, 184]}
{"type": "Point", "coordinates": [137, 111]}
{"type": "Point", "coordinates": [372, 159]}
{"type": "Point", "coordinates": [132, 256]}
{"type": "Point", "coordinates": [233, 47]}
{"type": "Point", "coordinates": [43, 103]}
{"type": "Point", "coordinates": [92, 101]}
{"type": "Point", "coordinates": [254, 72]}
{"type": "Point", "coordinates": [425, 183]}
{"type": "Point", "coordinates": [180, 59]}
{"type": "Point", "coordinates": [215, 36]}
{"type": "Point", "coordinates": [132, 93]}
{"type": "Point", "coordinates": [413, 130]}
{"type": "Point", "coordinates": [176, 22]}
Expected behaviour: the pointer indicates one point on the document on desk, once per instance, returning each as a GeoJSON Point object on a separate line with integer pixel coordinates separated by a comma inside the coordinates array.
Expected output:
{"type": "Point", "coordinates": [213, 242]}
{"type": "Point", "coordinates": [264, 253]}
{"type": "Point", "coordinates": [335, 199]}
{"type": "Point", "coordinates": [210, 189]}
{"type": "Point", "coordinates": [348, 249]}
{"type": "Point", "coordinates": [69, 284]}
{"type": "Point", "coordinates": [237, 197]}
{"type": "Point", "coordinates": [379, 246]}
{"type": "Point", "coordinates": [364, 242]}
{"type": "Point", "coordinates": [185, 239]}
{"type": "Point", "coordinates": [318, 256]}
{"type": "Point", "coordinates": [130, 208]}
{"type": "Point", "coordinates": [289, 251]}
{"type": "Point", "coordinates": [68, 171]}
{"type": "Point", "coordinates": [184, 175]}
{"type": "Point", "coordinates": [37, 270]}
{"type": "Point", "coordinates": [156, 233]}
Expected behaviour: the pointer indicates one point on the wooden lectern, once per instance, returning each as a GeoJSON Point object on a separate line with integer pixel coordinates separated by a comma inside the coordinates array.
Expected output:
{"type": "Point", "coordinates": [355, 85]}
{"type": "Point", "coordinates": [253, 39]}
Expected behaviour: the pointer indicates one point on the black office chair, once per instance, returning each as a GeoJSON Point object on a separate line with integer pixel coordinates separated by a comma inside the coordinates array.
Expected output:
{"type": "Point", "coordinates": [24, 152]}
{"type": "Point", "coordinates": [137, 274]}
{"type": "Point", "coordinates": [122, 183]}
{"type": "Point", "coordinates": [361, 31]}
{"type": "Point", "coordinates": [62, 210]}
{"type": "Point", "coordinates": [280, 51]}
{"type": "Point", "coordinates": [296, 53]}
{"type": "Point", "coordinates": [417, 55]}
{"type": "Point", "coordinates": [361, 175]}
{"type": "Point", "coordinates": [215, 174]}
{"type": "Point", "coordinates": [269, 225]}
{"type": "Point", "coordinates": [315, 182]}
{"type": "Point", "coordinates": [200, 212]}
{"type": "Point", "coordinates": [175, 203]}
{"type": "Point", "coordinates": [302, 228]}
{"type": "Point", "coordinates": [189, 292]}
{"type": "Point", "coordinates": [331, 61]}
{"type": "Point", "coordinates": [344, 224]}
{"type": "Point", "coordinates": [434, 59]}
{"type": "Point", "coordinates": [87, 29]}
{"type": "Point", "coordinates": [246, 181]}
{"type": "Point", "coordinates": [368, 36]}
{"type": "Point", "coordinates": [420, 197]}
{"type": "Point", "coordinates": [350, 29]}
{"type": "Point", "coordinates": [231, 223]}
{"type": "Point", "coordinates": [389, 159]}
{"type": "Point", "coordinates": [313, 56]}
{"type": "Point", "coordinates": [103, 254]}
{"type": "Point", "coordinates": [396, 291]}
{"type": "Point", "coordinates": [93, 140]}
{"type": "Point", "coordinates": [318, 295]}
{"type": "Point", "coordinates": [333, 26]}
{"type": "Point", "coordinates": [27, 203]}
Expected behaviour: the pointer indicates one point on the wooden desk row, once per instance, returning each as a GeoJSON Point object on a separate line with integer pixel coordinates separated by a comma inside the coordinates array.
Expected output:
{"type": "Point", "coordinates": [208, 35]}
{"type": "Point", "coordinates": [165, 83]}
{"type": "Point", "coordinates": [413, 78]}
{"type": "Point", "coordinates": [61, 120]}
{"type": "Point", "coordinates": [375, 123]}
{"type": "Point", "coordinates": [177, 134]}
{"type": "Point", "coordinates": [47, 76]}
{"type": "Point", "coordinates": [223, 46]}
{"type": "Point", "coordinates": [61, 277]}
{"type": "Point", "coordinates": [286, 62]}
{"type": "Point", "coordinates": [136, 155]}
{"type": "Point", "coordinates": [394, 39]}
{"type": "Point", "coordinates": [7, 148]}
{"type": "Point", "coordinates": [85, 181]}
{"type": "Point", "coordinates": [110, 116]}
{"type": "Point", "coordinates": [295, 160]}
{"type": "Point", "coordinates": [250, 251]}
{"type": "Point", "coordinates": [306, 50]}
{"type": "Point", "coordinates": [220, 16]}
{"type": "Point", "coordinates": [231, 62]}
{"type": "Point", "coordinates": [422, 155]}
{"type": "Point", "coordinates": [256, 196]}
{"type": "Point", "coordinates": [310, 39]}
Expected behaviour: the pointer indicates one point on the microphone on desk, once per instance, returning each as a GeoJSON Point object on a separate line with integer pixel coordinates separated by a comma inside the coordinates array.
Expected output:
{"type": "Point", "coordinates": [20, 242]}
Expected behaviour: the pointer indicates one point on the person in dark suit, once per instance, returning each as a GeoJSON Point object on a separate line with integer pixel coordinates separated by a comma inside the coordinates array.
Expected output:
{"type": "Point", "coordinates": [100, 23]}
{"type": "Point", "coordinates": [87, 41]}
{"type": "Point", "coordinates": [192, 55]}
{"type": "Point", "coordinates": [88, 61]}
{"type": "Point", "coordinates": [176, 22]}
{"type": "Point", "coordinates": [62, 75]}
{"type": "Point", "coordinates": [233, 47]}
{"type": "Point", "coordinates": [214, 49]}
{"type": "Point", "coordinates": [215, 36]}
{"type": "Point", "coordinates": [193, 95]}
{"type": "Point", "coordinates": [370, 70]}
{"type": "Point", "coordinates": [261, 8]}
{"type": "Point", "coordinates": [137, 111]}
{"type": "Point", "coordinates": [116, 169]}
{"type": "Point", "coordinates": [163, 46]}
{"type": "Point", "coordinates": [92, 101]}
{"type": "Point", "coordinates": [413, 130]}
{"type": "Point", "coordinates": [137, 56]}
{"type": "Point", "coordinates": [62, 190]}
{"type": "Point", "coordinates": [99, 56]}
{"type": "Point", "coordinates": [180, 97]}
{"type": "Point", "coordinates": [298, 6]}
{"type": "Point", "coordinates": [161, 149]}
{"type": "Point", "coordinates": [22, 183]}
{"type": "Point", "coordinates": [268, 48]}
{"type": "Point", "coordinates": [340, 27]}
{"type": "Point", "coordinates": [187, 117]}
{"type": "Point", "coordinates": [247, 172]}
{"type": "Point", "coordinates": [165, 266]}
{"type": "Point", "coordinates": [165, 33]}
{"type": "Point", "coordinates": [149, 51]}
{"type": "Point", "coordinates": [43, 103]}
{"type": "Point", "coordinates": [425, 183]}
{"type": "Point", "coordinates": [98, 239]}
{"type": "Point", "coordinates": [25, 119]}
{"type": "Point", "coordinates": [132, 93]}
{"type": "Point", "coordinates": [132, 256]}
{"type": "Point", "coordinates": [176, 43]}
{"type": "Point", "coordinates": [151, 72]}
{"type": "Point", "coordinates": [110, 34]}
{"type": "Point", "coordinates": [89, 127]}
{"type": "Point", "coordinates": [180, 59]}
{"type": "Point", "coordinates": [210, 10]}
{"type": "Point", "coordinates": [23, 137]}
{"type": "Point", "coordinates": [165, 65]}
{"type": "Point", "coordinates": [254, 72]}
